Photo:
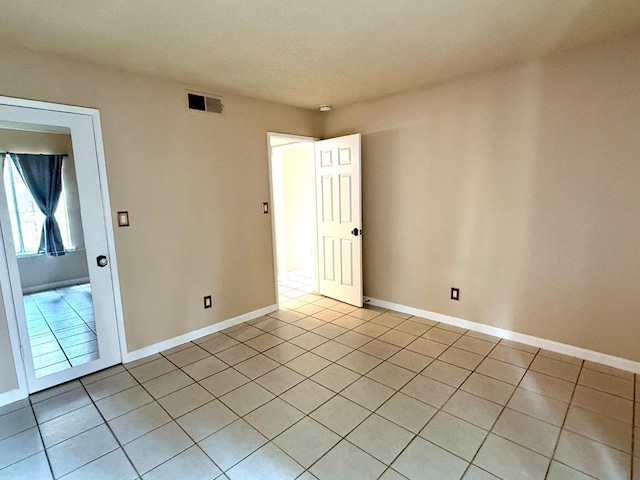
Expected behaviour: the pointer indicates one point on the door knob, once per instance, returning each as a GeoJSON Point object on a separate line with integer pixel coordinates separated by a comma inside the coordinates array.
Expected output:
{"type": "Point", "coordinates": [102, 261]}
{"type": "Point", "coordinates": [355, 232]}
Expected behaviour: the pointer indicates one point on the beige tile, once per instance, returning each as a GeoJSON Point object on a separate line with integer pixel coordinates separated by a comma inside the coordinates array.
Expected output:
{"type": "Point", "coordinates": [68, 425]}
{"type": "Point", "coordinates": [211, 336]}
{"type": "Point", "coordinates": [538, 406]}
{"type": "Point", "coordinates": [343, 308]}
{"type": "Point", "coordinates": [110, 385]}
{"type": "Point", "coordinates": [483, 336]}
{"type": "Point", "coordinates": [387, 320]}
{"type": "Point", "coordinates": [476, 473]}
{"type": "Point", "coordinates": [309, 309]}
{"type": "Point", "coordinates": [256, 366]}
{"type": "Point", "coordinates": [359, 362]}
{"type": "Point", "coordinates": [637, 414]}
{"type": "Point", "coordinates": [269, 324]}
{"type": "Point", "coordinates": [332, 351]}
{"type": "Point", "coordinates": [452, 328]}
{"type": "Point", "coordinates": [454, 435]}
{"type": "Point", "coordinates": [474, 345]}
{"type": "Point", "coordinates": [446, 373]}
{"type": "Point", "coordinates": [555, 368]}
{"type": "Point", "coordinates": [391, 375]}
{"type": "Point", "coordinates": [330, 330]}
{"type": "Point", "coordinates": [397, 338]}
{"type": "Point", "coordinates": [527, 431]}
{"type": "Point", "coordinates": [335, 377]}
{"type": "Point", "coordinates": [270, 461]}
{"type": "Point", "coordinates": [192, 460]}
{"type": "Point", "coordinates": [597, 427]}
{"type": "Point", "coordinates": [236, 354]}
{"type": "Point", "coordinates": [379, 349]}
{"type": "Point", "coordinates": [284, 352]}
{"type": "Point", "coordinates": [607, 383]}
{"type": "Point", "coordinates": [286, 315]}
{"type": "Point", "coordinates": [60, 404]}
{"type": "Point", "coordinates": [86, 380]}
{"type": "Point", "coordinates": [511, 355]}
{"type": "Point", "coordinates": [309, 323]}
{"type": "Point", "coordinates": [12, 407]}
{"type": "Point", "coordinates": [347, 461]}
{"type": "Point", "coordinates": [167, 383]}
{"type": "Point", "coordinates": [139, 422]}
{"type": "Point", "coordinates": [115, 463]}
{"type": "Point", "coordinates": [273, 418]}
{"type": "Point", "coordinates": [187, 356]}
{"type": "Point", "coordinates": [364, 313]}
{"type": "Point", "coordinates": [207, 419]}
{"type": "Point", "coordinates": [442, 336]}
{"type": "Point", "coordinates": [224, 381]}
{"type": "Point", "coordinates": [609, 370]}
{"type": "Point", "coordinates": [559, 471]}
{"type": "Point", "coordinates": [519, 346]}
{"type": "Point", "coordinates": [293, 304]}
{"type": "Point", "coordinates": [308, 340]}
{"type": "Point", "coordinates": [19, 446]}
{"type": "Point", "coordinates": [407, 412]}
{"type": "Point", "coordinates": [326, 302]}
{"type": "Point", "coordinates": [204, 368]}
{"type": "Point", "coordinates": [380, 438]}
{"type": "Point", "coordinates": [410, 360]}
{"type": "Point", "coordinates": [157, 447]}
{"type": "Point", "coordinates": [560, 356]}
{"type": "Point", "coordinates": [371, 329]}
{"type": "Point", "coordinates": [327, 315]}
{"type": "Point", "coordinates": [347, 322]}
{"type": "Point", "coordinates": [353, 339]}
{"type": "Point", "coordinates": [307, 364]}
{"type": "Point", "coordinates": [306, 441]}
{"type": "Point", "coordinates": [461, 358]}
{"type": "Point", "coordinates": [501, 370]}
{"type": "Point", "coordinates": [603, 403]}
{"type": "Point", "coordinates": [183, 401]}
{"type": "Point", "coordinates": [340, 415]}
{"type": "Point", "coordinates": [368, 393]}
{"type": "Point", "coordinates": [246, 398]}
{"type": "Point", "coordinates": [288, 332]}
{"type": "Point", "coordinates": [475, 410]}
{"type": "Point", "coordinates": [549, 386]}
{"type": "Point", "coordinates": [429, 391]}
{"type": "Point", "coordinates": [401, 315]}
{"type": "Point", "coordinates": [489, 388]}
{"type": "Point", "coordinates": [279, 380]}
{"type": "Point", "coordinates": [16, 422]}
{"type": "Point", "coordinates": [424, 460]}
{"type": "Point", "coordinates": [147, 371]}
{"type": "Point", "coordinates": [307, 396]}
{"type": "Point", "coordinates": [80, 450]}
{"type": "Point", "coordinates": [427, 347]}
{"type": "Point", "coordinates": [413, 327]}
{"type": "Point", "coordinates": [592, 457]}
{"type": "Point", "coordinates": [35, 466]}
{"type": "Point", "coordinates": [219, 344]}
{"type": "Point", "coordinates": [506, 459]}
{"type": "Point", "coordinates": [231, 444]}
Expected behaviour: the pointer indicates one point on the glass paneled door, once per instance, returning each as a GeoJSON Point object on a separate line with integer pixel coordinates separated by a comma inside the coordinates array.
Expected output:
{"type": "Point", "coordinates": [58, 277]}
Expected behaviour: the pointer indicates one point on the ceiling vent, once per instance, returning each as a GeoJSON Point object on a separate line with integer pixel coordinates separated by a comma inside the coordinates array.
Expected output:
{"type": "Point", "coordinates": [204, 103]}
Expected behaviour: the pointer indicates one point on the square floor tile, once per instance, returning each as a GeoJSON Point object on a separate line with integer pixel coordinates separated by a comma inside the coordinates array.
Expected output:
{"type": "Point", "coordinates": [620, 387]}
{"type": "Point", "coordinates": [501, 371]}
{"type": "Point", "coordinates": [218, 344]}
{"type": "Point", "coordinates": [35, 466]}
{"type": "Point", "coordinates": [407, 412]}
{"type": "Point", "coordinates": [410, 360]}
{"type": "Point", "coordinates": [280, 380]}
{"type": "Point", "coordinates": [413, 327]}
{"type": "Point", "coordinates": [188, 355]}
{"type": "Point", "coordinates": [555, 368]}
{"type": "Point", "coordinates": [236, 354]}
{"type": "Point", "coordinates": [443, 336]}
{"type": "Point", "coordinates": [167, 383]}
{"type": "Point", "coordinates": [284, 352]}
{"type": "Point", "coordinates": [60, 404]}
{"type": "Point", "coordinates": [256, 366]}
{"type": "Point", "coordinates": [309, 323]}
{"type": "Point", "coordinates": [429, 391]}
{"type": "Point", "coordinates": [379, 349]}
{"type": "Point", "coordinates": [368, 393]}
{"type": "Point", "coordinates": [335, 377]}
{"type": "Point", "coordinates": [359, 362]}
{"type": "Point", "coordinates": [16, 422]}
{"type": "Point", "coordinates": [224, 381]}
{"type": "Point", "coordinates": [475, 410]}
{"type": "Point", "coordinates": [559, 471]}
{"type": "Point", "coordinates": [288, 332]}
{"type": "Point", "coordinates": [307, 396]}
{"type": "Point", "coordinates": [273, 418]}
{"type": "Point", "coordinates": [246, 398]}
{"type": "Point", "coordinates": [80, 450]}
{"type": "Point", "coordinates": [353, 339]}
{"type": "Point", "coordinates": [307, 364]}
{"type": "Point", "coordinates": [506, 459]}
{"type": "Point", "coordinates": [264, 342]}
{"type": "Point", "coordinates": [347, 461]}
{"type": "Point", "coordinates": [207, 419]}
{"type": "Point", "coordinates": [19, 446]}
{"type": "Point", "coordinates": [347, 322]}
{"type": "Point", "coordinates": [123, 402]}
{"type": "Point", "coordinates": [550, 386]}
{"type": "Point", "coordinates": [451, 375]}
{"type": "Point", "coordinates": [183, 401]}
{"type": "Point", "coordinates": [204, 368]}
{"type": "Point", "coordinates": [330, 330]}
{"type": "Point", "coordinates": [461, 358]}
{"type": "Point", "coordinates": [306, 441]}
{"type": "Point", "coordinates": [147, 371]}
{"type": "Point", "coordinates": [380, 438]}
{"type": "Point", "coordinates": [474, 345]}
{"type": "Point", "coordinates": [234, 442]}
{"type": "Point", "coordinates": [424, 460]}
{"type": "Point", "coordinates": [112, 465]}
{"type": "Point", "coordinates": [69, 425]}
{"type": "Point", "coordinates": [538, 406]}
{"type": "Point", "coordinates": [157, 447]}
{"type": "Point", "coordinates": [603, 403]}
{"type": "Point", "coordinates": [332, 351]}
{"type": "Point", "coordinates": [597, 427]}
{"type": "Point", "coordinates": [454, 435]}
{"type": "Point", "coordinates": [527, 431]}
{"type": "Point", "coordinates": [511, 355]}
{"type": "Point", "coordinates": [427, 347]}
{"type": "Point", "coordinates": [308, 340]}
{"type": "Point", "coordinates": [391, 375]}
{"type": "Point", "coordinates": [191, 464]}
{"type": "Point", "coordinates": [486, 387]}
{"type": "Point", "coordinates": [139, 422]}
{"type": "Point", "coordinates": [386, 320]}
{"type": "Point", "coordinates": [476, 473]}
{"type": "Point", "coordinates": [340, 415]}
{"type": "Point", "coordinates": [270, 461]}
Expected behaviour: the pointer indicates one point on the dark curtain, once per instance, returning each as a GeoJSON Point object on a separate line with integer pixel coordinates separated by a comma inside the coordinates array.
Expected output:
{"type": "Point", "coordinates": [43, 176]}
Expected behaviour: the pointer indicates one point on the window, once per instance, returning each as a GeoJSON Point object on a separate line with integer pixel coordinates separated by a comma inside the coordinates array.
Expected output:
{"type": "Point", "coordinates": [26, 217]}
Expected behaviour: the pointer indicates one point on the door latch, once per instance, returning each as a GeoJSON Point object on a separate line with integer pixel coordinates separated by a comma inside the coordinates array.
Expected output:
{"type": "Point", "coordinates": [102, 261]}
{"type": "Point", "coordinates": [355, 232]}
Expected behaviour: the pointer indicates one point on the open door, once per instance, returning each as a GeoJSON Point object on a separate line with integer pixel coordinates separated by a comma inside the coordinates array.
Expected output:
{"type": "Point", "coordinates": [339, 218]}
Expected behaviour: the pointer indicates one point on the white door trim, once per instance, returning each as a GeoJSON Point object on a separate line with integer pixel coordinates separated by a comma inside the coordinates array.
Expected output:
{"type": "Point", "coordinates": [12, 319]}
{"type": "Point", "coordinates": [295, 139]}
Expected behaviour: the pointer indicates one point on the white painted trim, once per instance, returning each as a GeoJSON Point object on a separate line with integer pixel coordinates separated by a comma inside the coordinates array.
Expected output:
{"type": "Point", "coordinates": [50, 286]}
{"type": "Point", "coordinates": [12, 396]}
{"type": "Point", "coordinates": [189, 337]}
{"type": "Point", "coordinates": [566, 349]}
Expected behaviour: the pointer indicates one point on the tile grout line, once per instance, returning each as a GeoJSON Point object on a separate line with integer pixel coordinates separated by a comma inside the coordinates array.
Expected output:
{"type": "Point", "coordinates": [44, 447]}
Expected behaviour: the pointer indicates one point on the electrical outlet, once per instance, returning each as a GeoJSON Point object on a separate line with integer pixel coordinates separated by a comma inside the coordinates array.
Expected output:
{"type": "Point", "coordinates": [455, 293]}
{"type": "Point", "coordinates": [207, 301]}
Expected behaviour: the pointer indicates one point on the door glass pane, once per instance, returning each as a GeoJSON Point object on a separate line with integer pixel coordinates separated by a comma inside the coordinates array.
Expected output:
{"type": "Point", "coordinates": [56, 289]}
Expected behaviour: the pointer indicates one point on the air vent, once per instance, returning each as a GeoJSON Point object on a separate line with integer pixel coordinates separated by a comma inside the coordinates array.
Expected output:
{"type": "Point", "coordinates": [204, 103]}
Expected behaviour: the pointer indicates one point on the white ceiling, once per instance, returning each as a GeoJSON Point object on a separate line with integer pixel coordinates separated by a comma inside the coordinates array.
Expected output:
{"type": "Point", "coordinates": [304, 52]}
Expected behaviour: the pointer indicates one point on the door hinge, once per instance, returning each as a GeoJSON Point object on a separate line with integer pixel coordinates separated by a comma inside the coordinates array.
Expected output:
{"type": "Point", "coordinates": [21, 352]}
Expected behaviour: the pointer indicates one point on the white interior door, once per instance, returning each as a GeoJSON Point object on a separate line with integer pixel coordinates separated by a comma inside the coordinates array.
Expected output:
{"type": "Point", "coordinates": [339, 218]}
{"type": "Point", "coordinates": [99, 302]}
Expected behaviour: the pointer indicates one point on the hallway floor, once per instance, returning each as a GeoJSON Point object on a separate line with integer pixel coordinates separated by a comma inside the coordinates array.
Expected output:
{"type": "Point", "coordinates": [325, 390]}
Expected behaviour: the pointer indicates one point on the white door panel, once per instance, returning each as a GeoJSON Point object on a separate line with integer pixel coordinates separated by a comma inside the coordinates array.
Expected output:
{"type": "Point", "coordinates": [339, 214]}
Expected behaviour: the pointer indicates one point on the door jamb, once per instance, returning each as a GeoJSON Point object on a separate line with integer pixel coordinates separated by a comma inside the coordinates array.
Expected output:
{"type": "Point", "coordinates": [12, 320]}
{"type": "Point", "coordinates": [296, 139]}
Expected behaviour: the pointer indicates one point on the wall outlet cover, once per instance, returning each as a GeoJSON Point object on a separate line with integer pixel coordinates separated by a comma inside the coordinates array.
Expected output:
{"type": "Point", "coordinates": [207, 301]}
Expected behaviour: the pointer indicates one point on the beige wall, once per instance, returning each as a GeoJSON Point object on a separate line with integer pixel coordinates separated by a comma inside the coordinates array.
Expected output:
{"type": "Point", "coordinates": [297, 183]}
{"type": "Point", "coordinates": [519, 186]}
{"type": "Point", "coordinates": [192, 182]}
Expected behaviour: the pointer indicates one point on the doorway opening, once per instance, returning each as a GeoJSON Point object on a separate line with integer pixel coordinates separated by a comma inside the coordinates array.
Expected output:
{"type": "Point", "coordinates": [293, 212]}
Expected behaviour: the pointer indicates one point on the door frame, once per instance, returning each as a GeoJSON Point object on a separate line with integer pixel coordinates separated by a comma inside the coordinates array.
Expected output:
{"type": "Point", "coordinates": [295, 139]}
{"type": "Point", "coordinates": [5, 280]}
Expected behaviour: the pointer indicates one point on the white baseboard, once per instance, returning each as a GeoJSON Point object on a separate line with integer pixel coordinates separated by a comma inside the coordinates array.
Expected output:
{"type": "Point", "coordinates": [51, 286]}
{"type": "Point", "coordinates": [12, 396]}
{"type": "Point", "coordinates": [188, 337]}
{"type": "Point", "coordinates": [571, 350]}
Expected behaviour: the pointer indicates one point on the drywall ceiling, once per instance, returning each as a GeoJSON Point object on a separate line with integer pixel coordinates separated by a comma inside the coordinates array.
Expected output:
{"type": "Point", "coordinates": [304, 52]}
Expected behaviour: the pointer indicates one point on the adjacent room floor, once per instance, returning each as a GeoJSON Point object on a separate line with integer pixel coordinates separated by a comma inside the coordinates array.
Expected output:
{"type": "Point", "coordinates": [325, 390]}
{"type": "Point", "coordinates": [61, 328]}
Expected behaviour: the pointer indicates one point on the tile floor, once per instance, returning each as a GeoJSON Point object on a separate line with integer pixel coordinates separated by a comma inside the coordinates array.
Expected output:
{"type": "Point", "coordinates": [324, 390]}
{"type": "Point", "coordinates": [61, 328]}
